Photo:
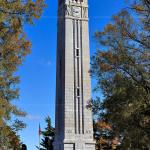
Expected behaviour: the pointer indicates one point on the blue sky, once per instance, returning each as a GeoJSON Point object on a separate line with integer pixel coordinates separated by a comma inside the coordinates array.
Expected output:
{"type": "Point", "coordinates": [37, 87]}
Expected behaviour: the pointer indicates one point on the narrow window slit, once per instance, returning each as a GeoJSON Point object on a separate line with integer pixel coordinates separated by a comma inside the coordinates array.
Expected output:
{"type": "Point", "coordinates": [77, 52]}
{"type": "Point", "coordinates": [78, 91]}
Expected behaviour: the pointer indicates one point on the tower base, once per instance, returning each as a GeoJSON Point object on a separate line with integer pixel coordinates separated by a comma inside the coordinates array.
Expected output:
{"type": "Point", "coordinates": [77, 145]}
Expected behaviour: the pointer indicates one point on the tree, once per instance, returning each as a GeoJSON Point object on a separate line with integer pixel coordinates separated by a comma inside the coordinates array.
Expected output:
{"type": "Point", "coordinates": [8, 136]}
{"type": "Point", "coordinates": [122, 70]}
{"type": "Point", "coordinates": [13, 48]}
{"type": "Point", "coordinates": [48, 135]}
{"type": "Point", "coordinates": [103, 132]}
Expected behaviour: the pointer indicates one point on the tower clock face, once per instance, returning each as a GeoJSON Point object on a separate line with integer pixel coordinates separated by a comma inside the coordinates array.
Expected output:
{"type": "Point", "coordinates": [76, 11]}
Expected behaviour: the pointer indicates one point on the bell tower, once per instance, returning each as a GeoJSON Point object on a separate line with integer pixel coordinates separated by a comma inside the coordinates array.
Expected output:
{"type": "Point", "coordinates": [74, 124]}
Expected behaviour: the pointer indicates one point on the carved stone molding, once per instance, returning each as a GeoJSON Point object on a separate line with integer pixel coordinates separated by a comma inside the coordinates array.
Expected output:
{"type": "Point", "coordinates": [68, 10]}
{"type": "Point", "coordinates": [84, 12]}
{"type": "Point", "coordinates": [76, 11]}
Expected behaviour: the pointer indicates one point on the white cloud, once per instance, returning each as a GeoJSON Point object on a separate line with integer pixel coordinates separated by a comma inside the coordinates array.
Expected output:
{"type": "Point", "coordinates": [49, 63]}
{"type": "Point", "coordinates": [33, 117]}
{"type": "Point", "coordinates": [44, 62]}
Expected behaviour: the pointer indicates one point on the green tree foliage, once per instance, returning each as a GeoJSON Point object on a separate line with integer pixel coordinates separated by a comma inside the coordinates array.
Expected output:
{"type": "Point", "coordinates": [48, 135]}
{"type": "Point", "coordinates": [103, 131]}
{"type": "Point", "coordinates": [9, 138]}
{"type": "Point", "coordinates": [122, 69]}
{"type": "Point", "coordinates": [13, 48]}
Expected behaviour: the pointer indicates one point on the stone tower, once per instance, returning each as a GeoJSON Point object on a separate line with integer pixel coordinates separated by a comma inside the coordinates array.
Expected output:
{"type": "Point", "coordinates": [74, 128]}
